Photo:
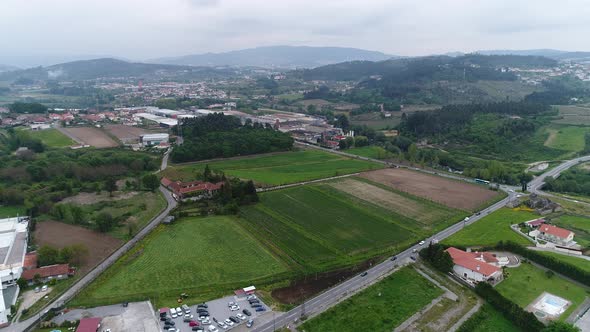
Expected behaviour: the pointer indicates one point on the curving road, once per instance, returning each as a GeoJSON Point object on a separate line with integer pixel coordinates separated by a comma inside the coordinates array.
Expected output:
{"type": "Point", "coordinates": [339, 292]}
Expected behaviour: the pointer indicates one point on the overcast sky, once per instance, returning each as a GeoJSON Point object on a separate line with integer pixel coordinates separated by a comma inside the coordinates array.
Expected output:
{"type": "Point", "coordinates": [142, 29]}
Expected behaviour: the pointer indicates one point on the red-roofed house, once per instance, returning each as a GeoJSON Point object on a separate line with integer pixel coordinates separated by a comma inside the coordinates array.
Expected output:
{"type": "Point", "coordinates": [200, 189]}
{"type": "Point", "coordinates": [535, 222]}
{"type": "Point", "coordinates": [89, 324]}
{"type": "Point", "coordinates": [46, 273]}
{"type": "Point", "coordinates": [555, 235]}
{"type": "Point", "coordinates": [470, 268]}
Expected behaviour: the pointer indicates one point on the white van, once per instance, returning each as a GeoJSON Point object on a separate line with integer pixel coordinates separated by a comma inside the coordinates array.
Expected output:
{"type": "Point", "coordinates": [173, 313]}
{"type": "Point", "coordinates": [186, 309]}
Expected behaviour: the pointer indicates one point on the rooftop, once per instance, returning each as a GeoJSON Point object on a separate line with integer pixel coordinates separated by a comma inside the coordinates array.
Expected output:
{"type": "Point", "coordinates": [89, 324]}
{"type": "Point", "coordinates": [555, 231]}
{"type": "Point", "coordinates": [468, 261]}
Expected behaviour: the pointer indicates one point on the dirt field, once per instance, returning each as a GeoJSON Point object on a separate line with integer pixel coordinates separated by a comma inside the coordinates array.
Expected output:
{"type": "Point", "coordinates": [59, 235]}
{"type": "Point", "coordinates": [126, 134]}
{"type": "Point", "coordinates": [451, 193]}
{"type": "Point", "coordinates": [91, 136]}
{"type": "Point", "coordinates": [391, 201]}
{"type": "Point", "coordinates": [92, 198]}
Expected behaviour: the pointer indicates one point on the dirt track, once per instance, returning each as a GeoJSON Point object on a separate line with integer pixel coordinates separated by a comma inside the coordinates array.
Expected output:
{"type": "Point", "coordinates": [451, 193]}
{"type": "Point", "coordinates": [59, 235]}
{"type": "Point", "coordinates": [91, 136]}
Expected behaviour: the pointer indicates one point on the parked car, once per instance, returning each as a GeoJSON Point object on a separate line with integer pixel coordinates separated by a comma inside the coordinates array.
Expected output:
{"type": "Point", "coordinates": [228, 322]}
{"type": "Point", "coordinates": [189, 316]}
{"type": "Point", "coordinates": [393, 258]}
{"type": "Point", "coordinates": [413, 258]}
{"type": "Point", "coordinates": [163, 318]}
{"type": "Point", "coordinates": [254, 301]}
{"type": "Point", "coordinates": [250, 297]}
{"type": "Point", "coordinates": [249, 323]}
{"type": "Point", "coordinates": [198, 329]}
{"type": "Point", "coordinates": [202, 305]}
{"type": "Point", "coordinates": [44, 288]}
{"type": "Point", "coordinates": [179, 311]}
{"type": "Point", "coordinates": [247, 312]}
{"type": "Point", "coordinates": [204, 314]}
{"type": "Point", "coordinates": [231, 304]}
{"type": "Point", "coordinates": [234, 308]}
{"type": "Point", "coordinates": [193, 323]}
{"type": "Point", "coordinates": [212, 328]}
{"type": "Point", "coordinates": [234, 319]}
{"type": "Point", "coordinates": [206, 321]}
{"type": "Point", "coordinates": [173, 313]}
{"type": "Point", "coordinates": [421, 243]}
{"type": "Point", "coordinates": [260, 309]}
{"type": "Point", "coordinates": [256, 305]}
{"type": "Point", "coordinates": [364, 274]}
{"type": "Point", "coordinates": [222, 325]}
{"type": "Point", "coordinates": [241, 316]}
{"type": "Point", "coordinates": [186, 320]}
{"type": "Point", "coordinates": [215, 320]}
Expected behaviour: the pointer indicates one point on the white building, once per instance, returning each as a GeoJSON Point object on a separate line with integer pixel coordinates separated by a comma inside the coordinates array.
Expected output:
{"type": "Point", "coordinates": [153, 139]}
{"type": "Point", "coordinates": [13, 247]}
{"type": "Point", "coordinates": [473, 267]}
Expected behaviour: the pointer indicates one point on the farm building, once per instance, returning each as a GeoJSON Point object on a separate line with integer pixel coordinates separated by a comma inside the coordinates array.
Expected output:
{"type": "Point", "coordinates": [13, 245]}
{"type": "Point", "coordinates": [194, 189]}
{"type": "Point", "coordinates": [46, 273]}
{"type": "Point", "coordinates": [153, 139]}
{"type": "Point", "coordinates": [473, 267]}
{"type": "Point", "coordinates": [555, 235]}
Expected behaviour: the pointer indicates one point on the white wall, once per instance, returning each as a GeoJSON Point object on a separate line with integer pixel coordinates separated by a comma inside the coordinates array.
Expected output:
{"type": "Point", "coordinates": [472, 275]}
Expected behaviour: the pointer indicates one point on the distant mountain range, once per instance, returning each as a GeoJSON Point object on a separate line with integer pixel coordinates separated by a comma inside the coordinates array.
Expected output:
{"type": "Point", "coordinates": [108, 68]}
{"type": "Point", "coordinates": [549, 53]}
{"type": "Point", "coordinates": [277, 57]}
{"type": "Point", "coordinates": [4, 68]}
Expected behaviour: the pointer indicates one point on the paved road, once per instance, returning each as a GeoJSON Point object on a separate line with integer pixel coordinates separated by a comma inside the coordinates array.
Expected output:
{"type": "Point", "coordinates": [335, 294]}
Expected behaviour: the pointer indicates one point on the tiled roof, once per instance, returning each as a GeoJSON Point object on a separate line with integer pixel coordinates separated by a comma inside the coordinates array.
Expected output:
{"type": "Point", "coordinates": [46, 271]}
{"type": "Point", "coordinates": [555, 231]}
{"type": "Point", "coordinates": [30, 260]}
{"type": "Point", "coordinates": [468, 261]}
{"type": "Point", "coordinates": [89, 324]}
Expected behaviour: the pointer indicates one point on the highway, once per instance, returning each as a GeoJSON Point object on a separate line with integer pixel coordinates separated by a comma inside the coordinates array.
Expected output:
{"type": "Point", "coordinates": [337, 293]}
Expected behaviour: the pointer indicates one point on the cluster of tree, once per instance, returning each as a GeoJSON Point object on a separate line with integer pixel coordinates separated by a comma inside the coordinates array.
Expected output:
{"type": "Point", "coordinates": [549, 262]}
{"type": "Point", "coordinates": [15, 139]}
{"type": "Point", "coordinates": [321, 92]}
{"type": "Point", "coordinates": [436, 255]}
{"type": "Point", "coordinates": [20, 107]}
{"type": "Point", "coordinates": [512, 311]}
{"type": "Point", "coordinates": [560, 91]}
{"type": "Point", "coordinates": [217, 135]}
{"type": "Point", "coordinates": [575, 180]}
{"type": "Point", "coordinates": [75, 254]}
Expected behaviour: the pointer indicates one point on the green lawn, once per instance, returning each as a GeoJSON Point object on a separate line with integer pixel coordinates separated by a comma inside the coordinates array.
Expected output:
{"type": "Point", "coordinates": [380, 307]}
{"type": "Point", "coordinates": [375, 152]}
{"type": "Point", "coordinates": [317, 226]}
{"type": "Point", "coordinates": [567, 138]}
{"type": "Point", "coordinates": [491, 229]}
{"type": "Point", "coordinates": [7, 211]}
{"type": "Point", "coordinates": [489, 320]}
{"type": "Point", "coordinates": [277, 169]}
{"type": "Point", "coordinates": [194, 255]}
{"type": "Point", "coordinates": [52, 138]}
{"type": "Point", "coordinates": [574, 260]}
{"type": "Point", "coordinates": [577, 224]}
{"type": "Point", "coordinates": [526, 282]}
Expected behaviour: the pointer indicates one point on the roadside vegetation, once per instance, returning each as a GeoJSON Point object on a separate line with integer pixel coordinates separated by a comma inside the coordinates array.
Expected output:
{"type": "Point", "coordinates": [488, 319]}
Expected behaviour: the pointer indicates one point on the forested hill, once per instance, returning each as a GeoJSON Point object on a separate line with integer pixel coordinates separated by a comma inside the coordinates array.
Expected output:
{"type": "Point", "coordinates": [474, 66]}
{"type": "Point", "coordinates": [99, 68]}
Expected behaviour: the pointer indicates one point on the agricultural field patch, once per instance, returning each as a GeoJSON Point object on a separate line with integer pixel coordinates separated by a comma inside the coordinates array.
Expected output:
{"type": "Point", "coordinates": [567, 138]}
{"type": "Point", "coordinates": [573, 115]}
{"type": "Point", "coordinates": [59, 235]}
{"type": "Point", "coordinates": [189, 256]}
{"type": "Point", "coordinates": [380, 307]}
{"type": "Point", "coordinates": [90, 136]}
{"type": "Point", "coordinates": [454, 194]}
{"type": "Point", "coordinates": [53, 138]}
{"type": "Point", "coordinates": [277, 169]}
{"type": "Point", "coordinates": [316, 226]}
{"type": "Point", "coordinates": [127, 134]}
{"type": "Point", "coordinates": [373, 151]}
{"type": "Point", "coordinates": [527, 282]}
{"type": "Point", "coordinates": [491, 229]}
{"type": "Point", "coordinates": [428, 215]}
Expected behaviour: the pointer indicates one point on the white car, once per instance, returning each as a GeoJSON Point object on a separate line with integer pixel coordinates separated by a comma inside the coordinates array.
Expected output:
{"type": "Point", "coordinates": [206, 321]}
{"type": "Point", "coordinates": [222, 325]}
{"type": "Point", "coordinates": [421, 243]}
{"type": "Point", "coordinates": [179, 311]}
{"type": "Point", "coordinates": [234, 308]}
{"type": "Point", "coordinates": [228, 322]}
{"type": "Point", "coordinates": [44, 288]}
{"type": "Point", "coordinates": [241, 316]}
{"type": "Point", "coordinates": [251, 297]}
{"type": "Point", "coordinates": [189, 316]}
{"type": "Point", "coordinates": [231, 304]}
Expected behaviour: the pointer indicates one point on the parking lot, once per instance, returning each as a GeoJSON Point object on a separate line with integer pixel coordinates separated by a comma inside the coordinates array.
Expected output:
{"type": "Point", "coordinates": [220, 310]}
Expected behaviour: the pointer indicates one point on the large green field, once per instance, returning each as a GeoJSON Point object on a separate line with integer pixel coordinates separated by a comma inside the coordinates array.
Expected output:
{"type": "Point", "coordinates": [8, 211]}
{"type": "Point", "coordinates": [373, 151]}
{"type": "Point", "coordinates": [380, 307]}
{"type": "Point", "coordinates": [189, 256]}
{"type": "Point", "coordinates": [52, 138]}
{"type": "Point", "coordinates": [527, 282]}
{"type": "Point", "coordinates": [491, 229]}
{"type": "Point", "coordinates": [488, 319]}
{"type": "Point", "coordinates": [567, 138]}
{"type": "Point", "coordinates": [278, 169]}
{"type": "Point", "coordinates": [316, 226]}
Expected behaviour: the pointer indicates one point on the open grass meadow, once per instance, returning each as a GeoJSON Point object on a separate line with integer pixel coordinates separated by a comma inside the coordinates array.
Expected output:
{"type": "Point", "coordinates": [317, 227]}
{"type": "Point", "coordinates": [567, 138]}
{"type": "Point", "coordinates": [52, 138]}
{"type": "Point", "coordinates": [278, 169]}
{"type": "Point", "coordinates": [492, 228]}
{"type": "Point", "coordinates": [380, 307]}
{"type": "Point", "coordinates": [573, 115]}
{"type": "Point", "coordinates": [375, 152]}
{"type": "Point", "coordinates": [527, 282]}
{"type": "Point", "coordinates": [195, 255]}
{"type": "Point", "coordinates": [488, 319]}
{"type": "Point", "coordinates": [9, 211]}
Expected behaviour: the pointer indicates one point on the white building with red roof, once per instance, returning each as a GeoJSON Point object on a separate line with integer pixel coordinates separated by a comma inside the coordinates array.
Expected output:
{"type": "Point", "coordinates": [474, 267]}
{"type": "Point", "coordinates": [557, 235]}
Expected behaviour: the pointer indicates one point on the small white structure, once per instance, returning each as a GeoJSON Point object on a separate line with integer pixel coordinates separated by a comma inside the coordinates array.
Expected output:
{"type": "Point", "coordinates": [13, 247]}
{"type": "Point", "coordinates": [469, 267]}
{"type": "Point", "coordinates": [39, 126]}
{"type": "Point", "coordinates": [153, 139]}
